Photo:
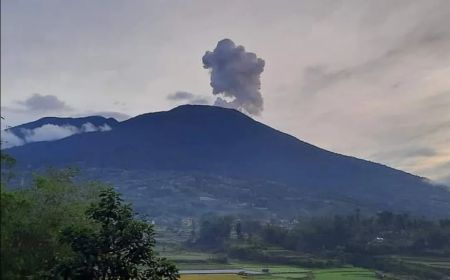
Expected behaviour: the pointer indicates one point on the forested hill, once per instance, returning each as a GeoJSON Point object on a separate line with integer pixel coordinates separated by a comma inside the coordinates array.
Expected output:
{"type": "Point", "coordinates": [224, 142]}
{"type": "Point", "coordinates": [96, 121]}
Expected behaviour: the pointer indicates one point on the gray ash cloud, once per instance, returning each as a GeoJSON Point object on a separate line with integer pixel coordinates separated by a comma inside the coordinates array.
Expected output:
{"type": "Point", "coordinates": [235, 77]}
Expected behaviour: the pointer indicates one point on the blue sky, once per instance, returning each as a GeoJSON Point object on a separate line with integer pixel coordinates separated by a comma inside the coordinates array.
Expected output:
{"type": "Point", "coordinates": [364, 78]}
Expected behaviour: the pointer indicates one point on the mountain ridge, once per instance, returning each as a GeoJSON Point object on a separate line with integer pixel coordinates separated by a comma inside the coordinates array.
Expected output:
{"type": "Point", "coordinates": [225, 142]}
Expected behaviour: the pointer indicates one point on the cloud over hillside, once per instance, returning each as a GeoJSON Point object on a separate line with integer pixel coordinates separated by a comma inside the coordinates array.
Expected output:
{"type": "Point", "coordinates": [47, 132]}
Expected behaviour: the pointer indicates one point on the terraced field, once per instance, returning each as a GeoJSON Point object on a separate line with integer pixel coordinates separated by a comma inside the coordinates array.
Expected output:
{"type": "Point", "coordinates": [290, 273]}
{"type": "Point", "coordinates": [443, 263]}
{"type": "Point", "coordinates": [212, 277]}
{"type": "Point", "coordinates": [200, 261]}
{"type": "Point", "coordinates": [351, 273]}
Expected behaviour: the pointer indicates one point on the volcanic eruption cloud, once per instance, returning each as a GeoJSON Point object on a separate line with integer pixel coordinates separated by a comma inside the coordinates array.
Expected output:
{"type": "Point", "coordinates": [235, 77]}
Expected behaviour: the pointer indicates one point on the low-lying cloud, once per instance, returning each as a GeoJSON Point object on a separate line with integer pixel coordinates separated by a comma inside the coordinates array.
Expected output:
{"type": "Point", "coordinates": [47, 132]}
{"type": "Point", "coordinates": [9, 139]}
{"type": "Point", "coordinates": [188, 98]}
{"type": "Point", "coordinates": [235, 75]}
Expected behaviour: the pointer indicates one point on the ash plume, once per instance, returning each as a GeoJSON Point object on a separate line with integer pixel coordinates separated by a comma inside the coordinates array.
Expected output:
{"type": "Point", "coordinates": [235, 77]}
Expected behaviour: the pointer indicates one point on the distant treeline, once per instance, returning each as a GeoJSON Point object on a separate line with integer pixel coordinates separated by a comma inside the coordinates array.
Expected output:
{"type": "Point", "coordinates": [383, 233]}
{"type": "Point", "coordinates": [352, 239]}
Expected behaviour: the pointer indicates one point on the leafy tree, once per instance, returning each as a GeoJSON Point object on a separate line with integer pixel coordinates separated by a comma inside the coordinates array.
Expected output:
{"type": "Point", "coordinates": [6, 163]}
{"type": "Point", "coordinates": [239, 230]}
{"type": "Point", "coordinates": [273, 234]}
{"type": "Point", "coordinates": [251, 228]}
{"type": "Point", "coordinates": [121, 247]}
{"type": "Point", "coordinates": [385, 218]}
{"type": "Point", "coordinates": [214, 231]}
{"type": "Point", "coordinates": [32, 219]}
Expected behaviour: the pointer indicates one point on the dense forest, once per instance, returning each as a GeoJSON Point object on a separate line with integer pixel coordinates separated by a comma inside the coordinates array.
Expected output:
{"type": "Point", "coordinates": [331, 241]}
{"type": "Point", "coordinates": [385, 233]}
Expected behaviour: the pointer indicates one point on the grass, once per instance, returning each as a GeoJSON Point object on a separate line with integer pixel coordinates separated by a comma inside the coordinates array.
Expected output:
{"type": "Point", "coordinates": [273, 268]}
{"type": "Point", "coordinates": [351, 273]}
{"type": "Point", "coordinates": [292, 273]}
{"type": "Point", "coordinates": [198, 261]}
{"type": "Point", "coordinates": [212, 277]}
{"type": "Point", "coordinates": [434, 262]}
{"type": "Point", "coordinates": [192, 260]}
{"type": "Point", "coordinates": [178, 256]}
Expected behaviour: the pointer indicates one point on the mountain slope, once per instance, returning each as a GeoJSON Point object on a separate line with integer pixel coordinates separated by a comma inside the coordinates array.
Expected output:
{"type": "Point", "coordinates": [225, 142]}
{"type": "Point", "coordinates": [76, 122]}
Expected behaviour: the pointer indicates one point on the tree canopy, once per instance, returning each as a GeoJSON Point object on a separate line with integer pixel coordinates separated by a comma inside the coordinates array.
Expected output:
{"type": "Point", "coordinates": [120, 248]}
{"type": "Point", "coordinates": [59, 228]}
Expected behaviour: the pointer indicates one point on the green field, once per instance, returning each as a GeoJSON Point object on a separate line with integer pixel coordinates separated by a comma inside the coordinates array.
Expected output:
{"type": "Point", "coordinates": [204, 261]}
{"type": "Point", "coordinates": [433, 262]}
{"type": "Point", "coordinates": [291, 272]}
{"type": "Point", "coordinates": [189, 260]}
{"type": "Point", "coordinates": [351, 273]}
{"type": "Point", "coordinates": [213, 277]}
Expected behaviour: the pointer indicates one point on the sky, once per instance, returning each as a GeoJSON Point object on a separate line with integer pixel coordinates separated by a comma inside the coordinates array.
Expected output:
{"type": "Point", "coordinates": [364, 78]}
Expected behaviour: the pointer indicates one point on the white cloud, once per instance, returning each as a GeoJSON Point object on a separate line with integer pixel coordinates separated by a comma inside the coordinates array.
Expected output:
{"type": "Point", "coordinates": [47, 132]}
{"type": "Point", "coordinates": [104, 127]}
{"type": "Point", "coordinates": [88, 127]}
{"type": "Point", "coordinates": [9, 140]}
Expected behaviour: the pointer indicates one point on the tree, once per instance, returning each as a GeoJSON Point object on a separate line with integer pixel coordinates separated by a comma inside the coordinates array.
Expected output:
{"type": "Point", "coordinates": [6, 163]}
{"type": "Point", "coordinates": [32, 219]}
{"type": "Point", "coordinates": [214, 231]}
{"type": "Point", "coordinates": [385, 218]}
{"type": "Point", "coordinates": [251, 228]}
{"type": "Point", "coordinates": [239, 230]}
{"type": "Point", "coordinates": [121, 247]}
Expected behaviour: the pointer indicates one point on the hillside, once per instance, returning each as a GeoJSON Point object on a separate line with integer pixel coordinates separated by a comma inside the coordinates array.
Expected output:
{"type": "Point", "coordinates": [210, 141]}
{"type": "Point", "coordinates": [75, 122]}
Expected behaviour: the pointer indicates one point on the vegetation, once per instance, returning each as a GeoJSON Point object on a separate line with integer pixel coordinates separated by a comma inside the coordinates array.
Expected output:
{"type": "Point", "coordinates": [32, 219]}
{"type": "Point", "coordinates": [121, 248]}
{"type": "Point", "coordinates": [212, 277]}
{"type": "Point", "coordinates": [60, 229]}
{"type": "Point", "coordinates": [331, 242]}
{"type": "Point", "coordinates": [214, 231]}
{"type": "Point", "coordinates": [187, 260]}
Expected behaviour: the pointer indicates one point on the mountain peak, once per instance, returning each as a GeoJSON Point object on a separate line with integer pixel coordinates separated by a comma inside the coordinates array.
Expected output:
{"type": "Point", "coordinates": [206, 109]}
{"type": "Point", "coordinates": [61, 121]}
{"type": "Point", "coordinates": [224, 142]}
{"type": "Point", "coordinates": [54, 128]}
{"type": "Point", "coordinates": [193, 116]}
{"type": "Point", "coordinates": [197, 107]}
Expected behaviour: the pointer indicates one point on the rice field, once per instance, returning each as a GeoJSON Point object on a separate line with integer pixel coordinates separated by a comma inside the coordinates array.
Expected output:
{"type": "Point", "coordinates": [205, 261]}
{"type": "Point", "coordinates": [443, 263]}
{"type": "Point", "coordinates": [352, 273]}
{"type": "Point", "coordinates": [212, 277]}
{"type": "Point", "coordinates": [275, 272]}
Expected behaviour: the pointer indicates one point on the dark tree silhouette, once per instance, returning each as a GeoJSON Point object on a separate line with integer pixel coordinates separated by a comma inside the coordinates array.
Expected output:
{"type": "Point", "coordinates": [121, 248]}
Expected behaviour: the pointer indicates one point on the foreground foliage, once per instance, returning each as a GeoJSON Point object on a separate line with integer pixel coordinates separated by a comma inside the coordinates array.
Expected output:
{"type": "Point", "coordinates": [121, 248]}
{"type": "Point", "coordinates": [60, 229]}
{"type": "Point", "coordinates": [32, 219]}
